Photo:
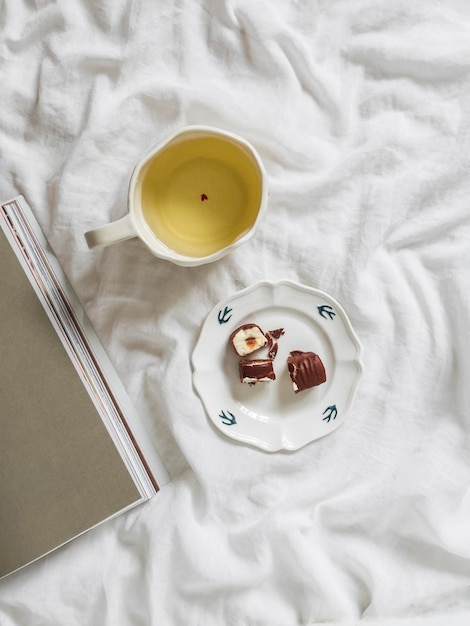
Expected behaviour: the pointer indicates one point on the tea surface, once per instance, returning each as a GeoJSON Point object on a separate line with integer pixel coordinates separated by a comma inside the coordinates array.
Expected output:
{"type": "Point", "coordinates": [200, 195]}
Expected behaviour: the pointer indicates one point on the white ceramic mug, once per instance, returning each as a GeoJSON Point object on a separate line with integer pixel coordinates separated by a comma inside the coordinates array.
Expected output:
{"type": "Point", "coordinates": [199, 194]}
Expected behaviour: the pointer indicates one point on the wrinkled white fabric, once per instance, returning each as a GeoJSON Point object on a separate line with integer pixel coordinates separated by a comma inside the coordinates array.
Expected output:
{"type": "Point", "coordinates": [361, 114]}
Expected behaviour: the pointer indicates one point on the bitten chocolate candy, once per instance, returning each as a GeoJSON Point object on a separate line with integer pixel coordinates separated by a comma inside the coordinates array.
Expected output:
{"type": "Point", "coordinates": [247, 338]}
{"type": "Point", "coordinates": [306, 370]}
{"type": "Point", "coordinates": [272, 337]}
{"type": "Point", "coordinates": [256, 371]}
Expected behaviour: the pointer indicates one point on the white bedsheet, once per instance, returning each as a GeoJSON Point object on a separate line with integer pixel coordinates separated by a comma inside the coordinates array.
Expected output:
{"type": "Point", "coordinates": [361, 113]}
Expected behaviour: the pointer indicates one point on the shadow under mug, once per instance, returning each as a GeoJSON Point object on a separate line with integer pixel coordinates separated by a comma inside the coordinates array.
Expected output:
{"type": "Point", "coordinates": [198, 195]}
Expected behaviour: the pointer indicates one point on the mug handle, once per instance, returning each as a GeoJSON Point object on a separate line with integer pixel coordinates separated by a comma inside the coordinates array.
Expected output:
{"type": "Point", "coordinates": [114, 232]}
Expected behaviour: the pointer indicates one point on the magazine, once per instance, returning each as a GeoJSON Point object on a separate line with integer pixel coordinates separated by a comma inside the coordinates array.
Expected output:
{"type": "Point", "coordinates": [73, 451]}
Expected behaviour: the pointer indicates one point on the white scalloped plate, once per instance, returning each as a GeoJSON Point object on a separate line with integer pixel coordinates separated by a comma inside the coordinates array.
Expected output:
{"type": "Point", "coordinates": [270, 415]}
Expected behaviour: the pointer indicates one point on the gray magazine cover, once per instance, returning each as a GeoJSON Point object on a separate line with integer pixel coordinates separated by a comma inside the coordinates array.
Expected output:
{"type": "Point", "coordinates": [73, 453]}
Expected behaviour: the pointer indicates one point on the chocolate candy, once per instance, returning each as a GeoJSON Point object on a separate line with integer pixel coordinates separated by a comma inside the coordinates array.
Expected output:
{"type": "Point", "coordinates": [273, 336]}
{"type": "Point", "coordinates": [254, 371]}
{"type": "Point", "coordinates": [305, 369]}
{"type": "Point", "coordinates": [247, 338]}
